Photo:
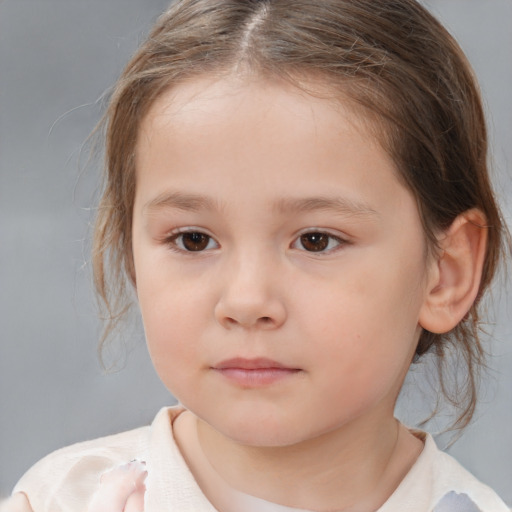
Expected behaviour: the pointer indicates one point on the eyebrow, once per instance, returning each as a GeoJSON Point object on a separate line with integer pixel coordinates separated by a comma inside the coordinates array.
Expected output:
{"type": "Point", "coordinates": [341, 205]}
{"type": "Point", "coordinates": [197, 202]}
{"type": "Point", "coordinates": [179, 201]}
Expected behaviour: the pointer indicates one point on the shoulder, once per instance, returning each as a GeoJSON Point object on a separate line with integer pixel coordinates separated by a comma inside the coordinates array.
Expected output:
{"type": "Point", "coordinates": [454, 486]}
{"type": "Point", "coordinates": [113, 470]}
{"type": "Point", "coordinates": [67, 478]}
{"type": "Point", "coordinates": [438, 483]}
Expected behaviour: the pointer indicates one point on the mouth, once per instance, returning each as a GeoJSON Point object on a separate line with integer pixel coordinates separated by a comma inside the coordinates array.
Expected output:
{"type": "Point", "coordinates": [252, 373]}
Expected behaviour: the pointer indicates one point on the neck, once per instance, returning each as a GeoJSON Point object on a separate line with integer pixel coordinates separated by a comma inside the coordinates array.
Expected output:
{"type": "Point", "coordinates": [355, 468]}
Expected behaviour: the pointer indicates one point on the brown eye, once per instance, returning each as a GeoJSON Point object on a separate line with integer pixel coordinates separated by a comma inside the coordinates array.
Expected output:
{"type": "Point", "coordinates": [318, 241]}
{"type": "Point", "coordinates": [315, 242]}
{"type": "Point", "coordinates": [195, 241]}
{"type": "Point", "coordinates": [192, 241]}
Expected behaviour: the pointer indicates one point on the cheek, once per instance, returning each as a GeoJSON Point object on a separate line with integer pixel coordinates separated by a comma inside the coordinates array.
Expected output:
{"type": "Point", "coordinates": [168, 301]}
{"type": "Point", "coordinates": [363, 330]}
{"type": "Point", "coordinates": [174, 354]}
{"type": "Point", "coordinates": [172, 327]}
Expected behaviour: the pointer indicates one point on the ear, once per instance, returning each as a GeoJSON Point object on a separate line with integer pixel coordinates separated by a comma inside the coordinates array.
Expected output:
{"type": "Point", "coordinates": [455, 273]}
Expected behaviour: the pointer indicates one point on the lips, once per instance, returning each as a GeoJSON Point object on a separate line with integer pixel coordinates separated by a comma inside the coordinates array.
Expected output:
{"type": "Point", "coordinates": [251, 373]}
{"type": "Point", "coordinates": [259, 363]}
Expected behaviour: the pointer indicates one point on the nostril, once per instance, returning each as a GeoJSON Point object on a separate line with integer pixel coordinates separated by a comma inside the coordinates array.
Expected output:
{"type": "Point", "coordinates": [265, 319]}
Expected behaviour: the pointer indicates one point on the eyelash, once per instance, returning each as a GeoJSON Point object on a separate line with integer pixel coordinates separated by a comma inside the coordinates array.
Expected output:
{"type": "Point", "coordinates": [173, 241]}
{"type": "Point", "coordinates": [329, 238]}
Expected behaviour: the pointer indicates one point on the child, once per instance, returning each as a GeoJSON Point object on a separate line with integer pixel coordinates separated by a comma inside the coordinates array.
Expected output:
{"type": "Point", "coordinates": [298, 194]}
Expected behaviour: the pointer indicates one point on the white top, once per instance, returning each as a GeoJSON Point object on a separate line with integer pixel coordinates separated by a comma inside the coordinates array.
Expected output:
{"type": "Point", "coordinates": [68, 479]}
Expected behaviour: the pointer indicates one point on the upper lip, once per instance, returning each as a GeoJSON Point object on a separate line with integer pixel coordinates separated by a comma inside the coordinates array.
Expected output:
{"type": "Point", "coordinates": [250, 364]}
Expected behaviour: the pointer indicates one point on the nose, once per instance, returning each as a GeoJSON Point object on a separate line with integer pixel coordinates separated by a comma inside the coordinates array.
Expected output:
{"type": "Point", "coordinates": [250, 298]}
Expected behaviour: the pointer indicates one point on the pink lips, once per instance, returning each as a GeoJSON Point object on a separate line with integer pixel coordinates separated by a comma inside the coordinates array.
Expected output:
{"type": "Point", "coordinates": [254, 372]}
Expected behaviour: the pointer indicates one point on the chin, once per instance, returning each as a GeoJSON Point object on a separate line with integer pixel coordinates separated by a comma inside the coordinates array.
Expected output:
{"type": "Point", "coordinates": [261, 431]}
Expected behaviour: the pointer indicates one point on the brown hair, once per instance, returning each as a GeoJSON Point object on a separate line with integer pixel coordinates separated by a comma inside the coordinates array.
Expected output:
{"type": "Point", "coordinates": [392, 58]}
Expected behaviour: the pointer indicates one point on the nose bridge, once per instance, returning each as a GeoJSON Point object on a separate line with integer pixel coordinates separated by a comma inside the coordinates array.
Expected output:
{"type": "Point", "coordinates": [251, 294]}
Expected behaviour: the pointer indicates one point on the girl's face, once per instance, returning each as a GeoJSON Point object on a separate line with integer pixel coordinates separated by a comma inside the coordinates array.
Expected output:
{"type": "Point", "coordinates": [280, 264]}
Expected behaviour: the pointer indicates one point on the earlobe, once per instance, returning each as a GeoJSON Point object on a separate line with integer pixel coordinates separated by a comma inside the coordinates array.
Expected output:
{"type": "Point", "coordinates": [454, 281]}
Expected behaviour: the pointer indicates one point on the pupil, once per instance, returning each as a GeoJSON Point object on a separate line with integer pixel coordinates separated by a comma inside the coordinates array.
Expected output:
{"type": "Point", "coordinates": [314, 242]}
{"type": "Point", "coordinates": [195, 241]}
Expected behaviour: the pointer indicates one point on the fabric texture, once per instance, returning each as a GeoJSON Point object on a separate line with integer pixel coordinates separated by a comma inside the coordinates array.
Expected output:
{"type": "Point", "coordinates": [68, 479]}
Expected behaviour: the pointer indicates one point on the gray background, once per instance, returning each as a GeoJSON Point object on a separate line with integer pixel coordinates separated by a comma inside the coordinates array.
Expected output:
{"type": "Point", "coordinates": [57, 58]}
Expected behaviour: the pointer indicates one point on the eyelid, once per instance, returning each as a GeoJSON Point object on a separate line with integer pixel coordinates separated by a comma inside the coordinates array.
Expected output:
{"type": "Point", "coordinates": [170, 238]}
{"type": "Point", "coordinates": [342, 240]}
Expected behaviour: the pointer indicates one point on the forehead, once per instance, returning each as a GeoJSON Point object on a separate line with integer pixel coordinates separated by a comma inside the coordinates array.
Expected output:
{"type": "Point", "coordinates": [260, 141]}
{"type": "Point", "coordinates": [207, 101]}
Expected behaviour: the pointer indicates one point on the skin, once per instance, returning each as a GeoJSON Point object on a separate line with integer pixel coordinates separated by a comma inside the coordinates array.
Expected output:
{"type": "Point", "coordinates": [269, 223]}
{"type": "Point", "coordinates": [239, 161]}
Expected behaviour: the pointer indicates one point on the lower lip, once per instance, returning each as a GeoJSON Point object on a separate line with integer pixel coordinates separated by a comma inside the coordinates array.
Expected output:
{"type": "Point", "coordinates": [252, 378]}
